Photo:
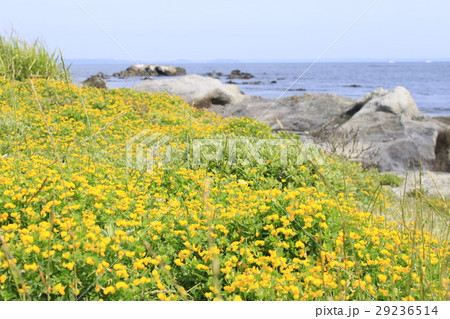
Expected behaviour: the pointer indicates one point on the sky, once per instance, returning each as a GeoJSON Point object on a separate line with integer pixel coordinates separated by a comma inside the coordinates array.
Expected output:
{"type": "Point", "coordinates": [244, 30]}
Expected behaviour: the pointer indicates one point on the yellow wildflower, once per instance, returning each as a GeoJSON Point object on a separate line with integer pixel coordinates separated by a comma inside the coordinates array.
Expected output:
{"type": "Point", "coordinates": [121, 285]}
{"type": "Point", "coordinates": [109, 290]}
{"type": "Point", "coordinates": [32, 266]}
{"type": "Point", "coordinates": [382, 277]}
{"type": "Point", "coordinates": [60, 289]}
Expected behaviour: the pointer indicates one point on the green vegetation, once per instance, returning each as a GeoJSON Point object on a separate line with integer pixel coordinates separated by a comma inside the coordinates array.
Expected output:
{"type": "Point", "coordinates": [20, 60]}
{"type": "Point", "coordinates": [77, 222]}
{"type": "Point", "coordinates": [390, 180]}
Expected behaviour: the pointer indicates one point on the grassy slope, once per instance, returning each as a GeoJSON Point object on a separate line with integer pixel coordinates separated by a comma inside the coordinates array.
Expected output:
{"type": "Point", "coordinates": [80, 224]}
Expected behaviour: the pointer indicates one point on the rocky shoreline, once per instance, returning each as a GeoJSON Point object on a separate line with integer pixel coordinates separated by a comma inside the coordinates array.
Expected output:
{"type": "Point", "coordinates": [147, 70]}
{"type": "Point", "coordinates": [384, 129]}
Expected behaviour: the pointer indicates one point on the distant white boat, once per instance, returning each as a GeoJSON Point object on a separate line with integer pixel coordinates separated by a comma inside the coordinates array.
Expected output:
{"type": "Point", "coordinates": [391, 61]}
{"type": "Point", "coordinates": [428, 61]}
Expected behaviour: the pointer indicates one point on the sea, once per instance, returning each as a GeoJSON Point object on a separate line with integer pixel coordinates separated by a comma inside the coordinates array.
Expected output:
{"type": "Point", "coordinates": [428, 82]}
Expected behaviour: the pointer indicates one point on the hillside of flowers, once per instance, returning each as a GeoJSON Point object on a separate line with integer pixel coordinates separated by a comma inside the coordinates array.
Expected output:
{"type": "Point", "coordinates": [78, 223]}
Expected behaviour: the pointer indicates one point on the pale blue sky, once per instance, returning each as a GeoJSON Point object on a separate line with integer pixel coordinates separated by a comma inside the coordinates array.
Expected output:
{"type": "Point", "coordinates": [288, 30]}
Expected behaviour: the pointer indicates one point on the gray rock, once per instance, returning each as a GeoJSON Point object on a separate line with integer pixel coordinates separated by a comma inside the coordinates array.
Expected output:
{"type": "Point", "coordinates": [442, 152]}
{"type": "Point", "coordinates": [142, 70]}
{"type": "Point", "coordinates": [195, 89]}
{"type": "Point", "coordinates": [297, 90]}
{"type": "Point", "coordinates": [237, 74]}
{"type": "Point", "coordinates": [398, 102]}
{"type": "Point", "coordinates": [252, 83]}
{"type": "Point", "coordinates": [392, 123]}
{"type": "Point", "coordinates": [299, 113]}
{"type": "Point", "coordinates": [180, 70]}
{"type": "Point", "coordinates": [214, 74]}
{"type": "Point", "coordinates": [388, 129]}
{"type": "Point", "coordinates": [96, 81]}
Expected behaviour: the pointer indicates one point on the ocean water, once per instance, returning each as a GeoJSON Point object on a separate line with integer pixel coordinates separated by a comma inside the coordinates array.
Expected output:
{"type": "Point", "coordinates": [429, 83]}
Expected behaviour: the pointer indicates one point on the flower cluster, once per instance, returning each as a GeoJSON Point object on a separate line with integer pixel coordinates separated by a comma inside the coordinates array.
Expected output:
{"type": "Point", "coordinates": [77, 223]}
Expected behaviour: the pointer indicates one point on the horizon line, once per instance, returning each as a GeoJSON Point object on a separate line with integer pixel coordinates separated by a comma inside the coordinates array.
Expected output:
{"type": "Point", "coordinates": [225, 61]}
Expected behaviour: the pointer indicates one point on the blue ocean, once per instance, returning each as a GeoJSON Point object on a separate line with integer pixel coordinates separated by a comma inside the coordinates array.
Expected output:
{"type": "Point", "coordinates": [428, 82]}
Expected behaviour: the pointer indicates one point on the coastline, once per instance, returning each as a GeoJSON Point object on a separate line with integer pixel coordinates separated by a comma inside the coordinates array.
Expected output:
{"type": "Point", "coordinates": [429, 91]}
{"type": "Point", "coordinates": [320, 111]}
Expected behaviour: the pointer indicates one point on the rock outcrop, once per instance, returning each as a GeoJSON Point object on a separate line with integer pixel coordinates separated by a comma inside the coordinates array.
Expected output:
{"type": "Point", "coordinates": [237, 74]}
{"type": "Point", "coordinates": [390, 120]}
{"type": "Point", "coordinates": [214, 74]}
{"type": "Point", "coordinates": [145, 70]}
{"type": "Point", "coordinates": [196, 90]}
{"type": "Point", "coordinates": [384, 128]}
{"type": "Point", "coordinates": [388, 130]}
{"type": "Point", "coordinates": [96, 81]}
{"type": "Point", "coordinates": [299, 113]}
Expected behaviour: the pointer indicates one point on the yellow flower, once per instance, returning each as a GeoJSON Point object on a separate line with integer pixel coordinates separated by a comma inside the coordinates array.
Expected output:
{"type": "Point", "coordinates": [121, 285]}
{"type": "Point", "coordinates": [178, 262]}
{"type": "Point", "coordinates": [9, 205]}
{"type": "Point", "coordinates": [60, 289]}
{"type": "Point", "coordinates": [202, 267]}
{"type": "Point", "coordinates": [109, 290]}
{"type": "Point", "coordinates": [382, 278]}
{"type": "Point", "coordinates": [409, 298]}
{"type": "Point", "coordinates": [33, 248]}
{"type": "Point", "coordinates": [162, 296]}
{"type": "Point", "coordinates": [24, 289]}
{"type": "Point", "coordinates": [299, 244]}
{"type": "Point", "coordinates": [27, 239]}
{"type": "Point", "coordinates": [68, 265]}
{"type": "Point", "coordinates": [208, 295]}
{"type": "Point", "coordinates": [89, 261]}
{"type": "Point", "coordinates": [66, 255]}
{"type": "Point", "coordinates": [98, 205]}
{"type": "Point", "coordinates": [2, 279]}
{"type": "Point", "coordinates": [58, 247]}
{"type": "Point", "coordinates": [237, 298]}
{"type": "Point", "coordinates": [33, 267]}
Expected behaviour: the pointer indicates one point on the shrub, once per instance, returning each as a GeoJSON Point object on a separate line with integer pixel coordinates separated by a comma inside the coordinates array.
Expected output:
{"type": "Point", "coordinates": [20, 60]}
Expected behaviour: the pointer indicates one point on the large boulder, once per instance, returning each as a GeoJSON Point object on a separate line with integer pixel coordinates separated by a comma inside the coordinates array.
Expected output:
{"type": "Point", "coordinates": [401, 136]}
{"type": "Point", "coordinates": [398, 102]}
{"type": "Point", "coordinates": [298, 114]}
{"type": "Point", "coordinates": [144, 70]}
{"type": "Point", "coordinates": [196, 90]}
{"type": "Point", "coordinates": [97, 81]}
{"type": "Point", "coordinates": [384, 129]}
